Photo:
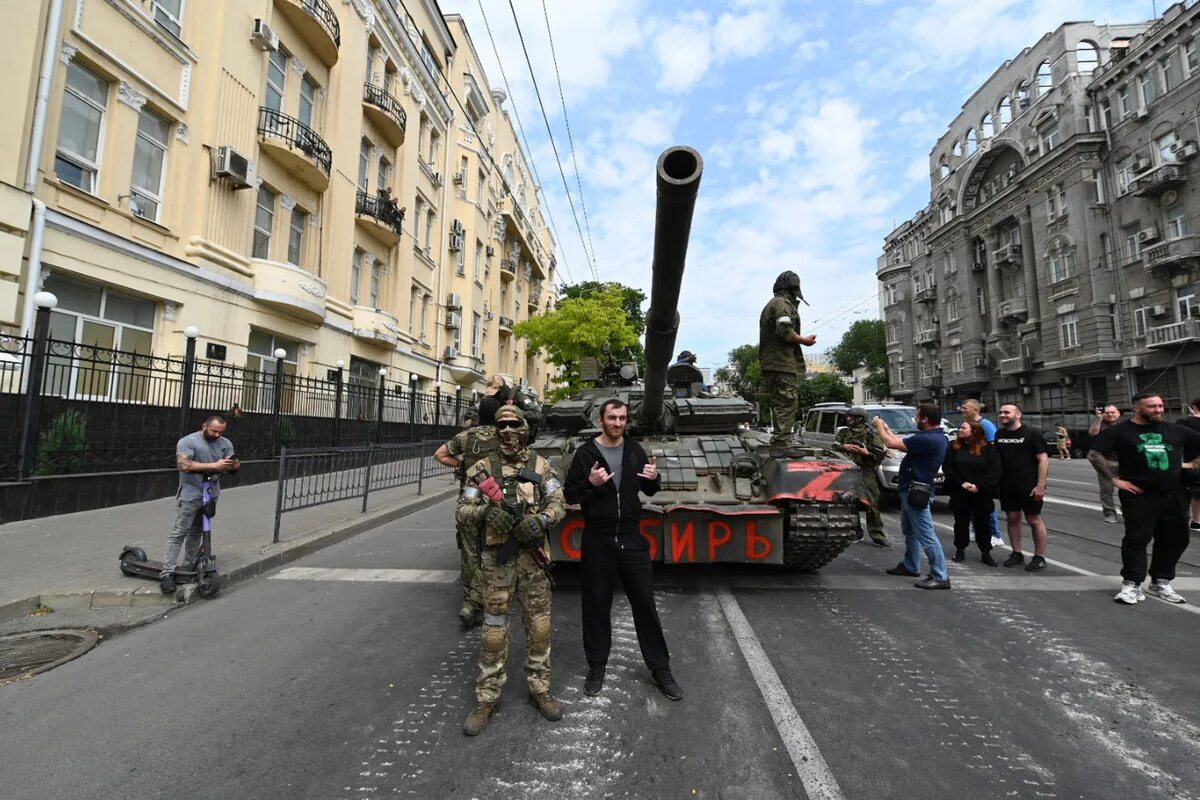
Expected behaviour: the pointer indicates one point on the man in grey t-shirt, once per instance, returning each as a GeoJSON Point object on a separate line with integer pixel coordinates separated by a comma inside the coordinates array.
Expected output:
{"type": "Point", "coordinates": [206, 451]}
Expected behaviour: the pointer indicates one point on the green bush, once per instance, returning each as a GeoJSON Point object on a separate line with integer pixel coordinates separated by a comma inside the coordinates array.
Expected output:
{"type": "Point", "coordinates": [62, 447]}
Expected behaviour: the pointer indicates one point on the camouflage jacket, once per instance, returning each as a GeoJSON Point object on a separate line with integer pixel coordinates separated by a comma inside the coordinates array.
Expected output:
{"type": "Point", "coordinates": [545, 501]}
{"type": "Point", "coordinates": [866, 436]}
{"type": "Point", "coordinates": [472, 444]}
{"type": "Point", "coordinates": [776, 350]}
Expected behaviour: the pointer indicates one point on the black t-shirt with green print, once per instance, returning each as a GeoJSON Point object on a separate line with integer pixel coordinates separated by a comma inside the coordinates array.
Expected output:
{"type": "Point", "coordinates": [1150, 456]}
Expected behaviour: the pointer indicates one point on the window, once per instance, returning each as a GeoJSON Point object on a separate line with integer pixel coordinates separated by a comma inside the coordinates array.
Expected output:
{"type": "Point", "coordinates": [355, 275]}
{"type": "Point", "coordinates": [1177, 222]}
{"type": "Point", "coordinates": [900, 373]}
{"type": "Point", "coordinates": [1045, 81]}
{"type": "Point", "coordinates": [383, 176]}
{"type": "Point", "coordinates": [893, 333]}
{"type": "Point", "coordinates": [972, 143]}
{"type": "Point", "coordinates": [428, 230]}
{"type": "Point", "coordinates": [1124, 101]}
{"type": "Point", "coordinates": [957, 151]}
{"type": "Point", "coordinates": [375, 265]}
{"type": "Point", "coordinates": [1191, 58]}
{"type": "Point", "coordinates": [422, 135]}
{"type": "Point", "coordinates": [1148, 86]}
{"type": "Point", "coordinates": [1049, 137]}
{"type": "Point", "coordinates": [434, 140]}
{"type": "Point", "coordinates": [296, 236]}
{"type": "Point", "coordinates": [418, 215]}
{"type": "Point", "coordinates": [987, 128]}
{"type": "Point", "coordinates": [260, 357]}
{"type": "Point", "coordinates": [1062, 263]}
{"type": "Point", "coordinates": [1187, 305]}
{"type": "Point", "coordinates": [1068, 331]}
{"type": "Point", "coordinates": [1141, 315]}
{"type": "Point", "coordinates": [1170, 72]}
{"type": "Point", "coordinates": [953, 310]}
{"type": "Point", "coordinates": [149, 155]}
{"type": "Point", "coordinates": [264, 222]}
{"type": "Point", "coordinates": [946, 213]}
{"type": "Point", "coordinates": [476, 321]}
{"type": "Point", "coordinates": [1054, 398]}
{"type": "Point", "coordinates": [1163, 145]}
{"type": "Point", "coordinates": [958, 359]}
{"type": "Point", "coordinates": [1087, 58]}
{"type": "Point", "coordinates": [943, 172]}
{"type": "Point", "coordinates": [80, 127]}
{"type": "Point", "coordinates": [981, 301]}
{"type": "Point", "coordinates": [414, 298]}
{"type": "Point", "coordinates": [460, 257]}
{"type": "Point", "coordinates": [1094, 178]}
{"type": "Point", "coordinates": [1056, 202]}
{"type": "Point", "coordinates": [1133, 248]}
{"type": "Point", "coordinates": [1004, 112]}
{"type": "Point", "coordinates": [169, 14]}
{"type": "Point", "coordinates": [462, 176]}
{"type": "Point", "coordinates": [1105, 112]}
{"type": "Point", "coordinates": [478, 259]}
{"type": "Point", "coordinates": [429, 59]}
{"type": "Point", "coordinates": [308, 100]}
{"type": "Point", "coordinates": [364, 164]}
{"type": "Point", "coordinates": [892, 293]}
{"type": "Point", "coordinates": [949, 265]}
{"type": "Point", "coordinates": [1124, 174]}
{"type": "Point", "coordinates": [481, 178]}
{"type": "Point", "coordinates": [424, 315]}
{"type": "Point", "coordinates": [372, 56]}
{"type": "Point", "coordinates": [276, 80]}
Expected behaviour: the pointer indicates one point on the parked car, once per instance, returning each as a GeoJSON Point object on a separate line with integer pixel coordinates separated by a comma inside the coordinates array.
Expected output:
{"type": "Point", "coordinates": [823, 420]}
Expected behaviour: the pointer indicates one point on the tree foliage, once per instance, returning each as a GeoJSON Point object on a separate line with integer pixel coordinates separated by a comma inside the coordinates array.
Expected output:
{"type": "Point", "coordinates": [822, 388]}
{"type": "Point", "coordinates": [864, 345]}
{"type": "Point", "coordinates": [743, 375]}
{"type": "Point", "coordinates": [578, 328]}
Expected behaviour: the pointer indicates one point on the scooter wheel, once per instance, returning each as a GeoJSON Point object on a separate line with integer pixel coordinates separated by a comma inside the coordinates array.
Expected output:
{"type": "Point", "coordinates": [209, 584]}
{"type": "Point", "coordinates": [129, 558]}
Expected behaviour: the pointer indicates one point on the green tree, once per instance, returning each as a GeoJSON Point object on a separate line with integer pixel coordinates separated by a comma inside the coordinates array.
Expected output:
{"type": "Point", "coordinates": [742, 374]}
{"type": "Point", "coordinates": [864, 345]}
{"type": "Point", "coordinates": [632, 300]}
{"type": "Point", "coordinates": [578, 328]}
{"type": "Point", "coordinates": [63, 445]}
{"type": "Point", "coordinates": [821, 388]}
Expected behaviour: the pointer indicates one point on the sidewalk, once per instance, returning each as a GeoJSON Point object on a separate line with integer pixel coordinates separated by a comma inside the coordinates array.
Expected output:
{"type": "Point", "coordinates": [71, 561]}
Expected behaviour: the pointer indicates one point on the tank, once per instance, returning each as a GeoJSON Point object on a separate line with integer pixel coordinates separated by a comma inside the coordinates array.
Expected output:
{"type": "Point", "coordinates": [722, 498]}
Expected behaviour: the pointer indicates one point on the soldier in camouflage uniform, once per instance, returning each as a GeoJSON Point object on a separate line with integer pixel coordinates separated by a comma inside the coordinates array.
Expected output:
{"type": "Point", "coordinates": [864, 447]}
{"type": "Point", "coordinates": [467, 447]}
{"type": "Point", "coordinates": [543, 506]}
{"type": "Point", "coordinates": [780, 357]}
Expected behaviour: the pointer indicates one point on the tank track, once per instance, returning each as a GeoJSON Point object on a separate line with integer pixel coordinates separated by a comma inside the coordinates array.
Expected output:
{"type": "Point", "coordinates": [817, 533]}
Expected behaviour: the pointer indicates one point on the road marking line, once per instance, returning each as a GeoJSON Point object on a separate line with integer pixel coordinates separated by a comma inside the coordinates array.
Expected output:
{"type": "Point", "coordinates": [1076, 504]}
{"type": "Point", "coordinates": [818, 780]}
{"type": "Point", "coordinates": [1093, 484]}
{"type": "Point", "coordinates": [366, 575]}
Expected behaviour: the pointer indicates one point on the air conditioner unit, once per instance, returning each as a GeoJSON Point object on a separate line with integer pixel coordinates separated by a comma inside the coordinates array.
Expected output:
{"type": "Point", "coordinates": [263, 36]}
{"type": "Point", "coordinates": [1147, 235]}
{"type": "Point", "coordinates": [1141, 166]}
{"type": "Point", "coordinates": [1142, 113]}
{"type": "Point", "coordinates": [1158, 311]}
{"type": "Point", "coordinates": [1184, 149]}
{"type": "Point", "coordinates": [233, 167]}
{"type": "Point", "coordinates": [489, 251]}
{"type": "Point", "coordinates": [1026, 390]}
{"type": "Point", "coordinates": [453, 319]}
{"type": "Point", "coordinates": [1066, 380]}
{"type": "Point", "coordinates": [454, 301]}
{"type": "Point", "coordinates": [456, 242]}
{"type": "Point", "coordinates": [980, 361]}
{"type": "Point", "coordinates": [1131, 362]}
{"type": "Point", "coordinates": [451, 351]}
{"type": "Point", "coordinates": [437, 179]}
{"type": "Point", "coordinates": [978, 266]}
{"type": "Point", "coordinates": [1031, 147]}
{"type": "Point", "coordinates": [459, 178]}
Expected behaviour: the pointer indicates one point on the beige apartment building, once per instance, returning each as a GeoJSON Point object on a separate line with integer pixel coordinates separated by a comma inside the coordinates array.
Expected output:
{"type": "Point", "coordinates": [333, 178]}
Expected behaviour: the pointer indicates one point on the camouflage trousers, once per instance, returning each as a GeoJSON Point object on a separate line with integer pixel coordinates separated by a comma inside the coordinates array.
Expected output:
{"type": "Point", "coordinates": [781, 390]}
{"type": "Point", "coordinates": [871, 495]}
{"type": "Point", "coordinates": [522, 578]}
{"type": "Point", "coordinates": [470, 575]}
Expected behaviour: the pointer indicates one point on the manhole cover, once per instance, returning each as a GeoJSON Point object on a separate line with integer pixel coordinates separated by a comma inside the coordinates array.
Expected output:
{"type": "Point", "coordinates": [24, 654]}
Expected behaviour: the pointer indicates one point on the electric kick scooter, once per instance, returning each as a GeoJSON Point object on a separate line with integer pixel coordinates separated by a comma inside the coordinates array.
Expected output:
{"type": "Point", "coordinates": [202, 571]}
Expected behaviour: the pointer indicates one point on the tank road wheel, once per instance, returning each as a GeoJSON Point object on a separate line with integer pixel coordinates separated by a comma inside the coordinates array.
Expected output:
{"type": "Point", "coordinates": [817, 533]}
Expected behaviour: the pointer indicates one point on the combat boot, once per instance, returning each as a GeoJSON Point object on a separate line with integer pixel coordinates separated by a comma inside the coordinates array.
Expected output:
{"type": "Point", "coordinates": [547, 706]}
{"type": "Point", "coordinates": [477, 720]}
{"type": "Point", "coordinates": [469, 616]}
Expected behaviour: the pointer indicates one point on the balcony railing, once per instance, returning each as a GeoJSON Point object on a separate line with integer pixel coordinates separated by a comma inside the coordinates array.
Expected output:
{"type": "Point", "coordinates": [1179, 252]}
{"type": "Point", "coordinates": [927, 295]}
{"type": "Point", "coordinates": [381, 98]}
{"type": "Point", "coordinates": [274, 124]}
{"type": "Point", "coordinates": [1013, 309]}
{"type": "Point", "coordinates": [506, 324]}
{"type": "Point", "coordinates": [1176, 333]}
{"type": "Point", "coordinates": [508, 269]}
{"type": "Point", "coordinates": [928, 337]}
{"type": "Point", "coordinates": [535, 294]}
{"type": "Point", "coordinates": [382, 209]}
{"type": "Point", "coordinates": [1158, 180]}
{"type": "Point", "coordinates": [1008, 254]}
{"type": "Point", "coordinates": [1015, 366]}
{"type": "Point", "coordinates": [318, 23]}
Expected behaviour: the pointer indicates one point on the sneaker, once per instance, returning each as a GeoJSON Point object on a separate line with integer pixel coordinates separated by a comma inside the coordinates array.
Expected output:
{"type": "Point", "coordinates": [997, 541]}
{"type": "Point", "coordinates": [1014, 559]}
{"type": "Point", "coordinates": [1163, 591]}
{"type": "Point", "coordinates": [900, 569]}
{"type": "Point", "coordinates": [470, 617]}
{"type": "Point", "coordinates": [986, 558]}
{"type": "Point", "coordinates": [1111, 518]}
{"type": "Point", "coordinates": [665, 681]}
{"type": "Point", "coordinates": [960, 555]}
{"type": "Point", "coordinates": [1194, 527]}
{"type": "Point", "coordinates": [930, 582]}
{"type": "Point", "coordinates": [881, 541]}
{"type": "Point", "coordinates": [167, 583]}
{"type": "Point", "coordinates": [1129, 594]}
{"type": "Point", "coordinates": [594, 681]}
{"type": "Point", "coordinates": [547, 705]}
{"type": "Point", "coordinates": [477, 720]}
{"type": "Point", "coordinates": [1036, 564]}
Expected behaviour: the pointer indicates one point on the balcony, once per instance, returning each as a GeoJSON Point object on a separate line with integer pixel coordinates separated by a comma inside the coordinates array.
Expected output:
{"type": "Point", "coordinates": [317, 24]}
{"type": "Point", "coordinates": [375, 327]}
{"type": "Point", "coordinates": [535, 295]}
{"type": "Point", "coordinates": [1158, 180]}
{"type": "Point", "coordinates": [927, 295]}
{"type": "Point", "coordinates": [928, 338]}
{"type": "Point", "coordinates": [380, 216]}
{"type": "Point", "coordinates": [1173, 334]}
{"type": "Point", "coordinates": [506, 325]}
{"type": "Point", "coordinates": [1015, 309]}
{"type": "Point", "coordinates": [1181, 252]}
{"type": "Point", "coordinates": [289, 289]}
{"type": "Point", "coordinates": [508, 270]}
{"type": "Point", "coordinates": [296, 146]}
{"type": "Point", "coordinates": [1007, 256]}
{"type": "Point", "coordinates": [1015, 366]}
{"type": "Point", "coordinates": [385, 112]}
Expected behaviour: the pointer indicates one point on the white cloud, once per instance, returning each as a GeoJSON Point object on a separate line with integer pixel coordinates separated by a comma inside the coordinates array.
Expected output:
{"type": "Point", "coordinates": [684, 51]}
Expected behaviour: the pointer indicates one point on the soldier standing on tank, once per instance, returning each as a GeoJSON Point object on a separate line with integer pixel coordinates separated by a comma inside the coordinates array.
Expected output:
{"type": "Point", "coordinates": [866, 449]}
{"type": "Point", "coordinates": [503, 477]}
{"type": "Point", "coordinates": [473, 444]}
{"type": "Point", "coordinates": [780, 357]}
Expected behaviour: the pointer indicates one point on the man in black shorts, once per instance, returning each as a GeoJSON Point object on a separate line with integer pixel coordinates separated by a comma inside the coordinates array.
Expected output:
{"type": "Point", "coordinates": [1026, 464]}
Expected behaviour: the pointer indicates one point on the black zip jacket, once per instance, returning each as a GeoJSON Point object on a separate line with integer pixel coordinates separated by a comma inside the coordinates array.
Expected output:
{"type": "Point", "coordinates": [603, 511]}
{"type": "Point", "coordinates": [983, 470]}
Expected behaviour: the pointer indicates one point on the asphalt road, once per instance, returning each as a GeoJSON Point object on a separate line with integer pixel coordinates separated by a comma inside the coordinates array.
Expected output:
{"type": "Point", "coordinates": [318, 683]}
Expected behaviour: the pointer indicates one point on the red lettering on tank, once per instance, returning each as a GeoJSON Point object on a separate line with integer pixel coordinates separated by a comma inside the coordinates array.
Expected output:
{"type": "Point", "coordinates": [650, 522]}
{"type": "Point", "coordinates": [685, 542]}
{"type": "Point", "coordinates": [564, 539]}
{"type": "Point", "coordinates": [714, 541]}
{"type": "Point", "coordinates": [754, 553]}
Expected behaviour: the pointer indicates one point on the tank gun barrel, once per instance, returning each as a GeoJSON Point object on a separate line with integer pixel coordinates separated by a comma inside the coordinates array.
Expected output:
{"type": "Point", "coordinates": [678, 178]}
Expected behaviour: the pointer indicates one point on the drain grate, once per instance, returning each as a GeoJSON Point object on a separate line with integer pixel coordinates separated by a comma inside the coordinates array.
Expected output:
{"type": "Point", "coordinates": [25, 654]}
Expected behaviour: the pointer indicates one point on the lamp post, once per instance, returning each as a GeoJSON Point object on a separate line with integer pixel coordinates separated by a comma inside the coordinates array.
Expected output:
{"type": "Point", "coordinates": [189, 370]}
{"type": "Point", "coordinates": [379, 405]}
{"type": "Point", "coordinates": [337, 402]}
{"type": "Point", "coordinates": [277, 399]}
{"type": "Point", "coordinates": [32, 407]}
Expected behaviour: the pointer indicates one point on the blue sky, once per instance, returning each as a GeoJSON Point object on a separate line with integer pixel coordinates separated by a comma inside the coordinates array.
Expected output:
{"type": "Point", "coordinates": [815, 120]}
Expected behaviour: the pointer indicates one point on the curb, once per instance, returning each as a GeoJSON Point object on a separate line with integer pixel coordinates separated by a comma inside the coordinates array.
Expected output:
{"type": "Point", "coordinates": [270, 557]}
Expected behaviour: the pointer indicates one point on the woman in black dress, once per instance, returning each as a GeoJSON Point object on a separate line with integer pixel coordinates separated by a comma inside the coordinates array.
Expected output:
{"type": "Point", "coordinates": [972, 470]}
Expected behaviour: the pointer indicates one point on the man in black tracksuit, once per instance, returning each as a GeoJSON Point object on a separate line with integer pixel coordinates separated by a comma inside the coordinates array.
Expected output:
{"type": "Point", "coordinates": [604, 480]}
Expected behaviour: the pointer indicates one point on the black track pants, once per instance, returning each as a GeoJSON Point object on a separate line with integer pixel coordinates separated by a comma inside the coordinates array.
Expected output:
{"type": "Point", "coordinates": [603, 561]}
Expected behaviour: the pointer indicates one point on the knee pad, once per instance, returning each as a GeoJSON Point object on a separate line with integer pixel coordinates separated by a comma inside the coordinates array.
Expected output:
{"type": "Point", "coordinates": [538, 633]}
{"type": "Point", "coordinates": [495, 642]}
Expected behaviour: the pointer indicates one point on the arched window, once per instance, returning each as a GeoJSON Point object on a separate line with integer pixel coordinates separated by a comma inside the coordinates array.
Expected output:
{"type": "Point", "coordinates": [957, 149]}
{"type": "Point", "coordinates": [1004, 112]}
{"type": "Point", "coordinates": [986, 129]}
{"type": "Point", "coordinates": [1087, 58]}
{"type": "Point", "coordinates": [1044, 80]}
{"type": "Point", "coordinates": [1022, 96]}
{"type": "Point", "coordinates": [943, 170]}
{"type": "Point", "coordinates": [972, 142]}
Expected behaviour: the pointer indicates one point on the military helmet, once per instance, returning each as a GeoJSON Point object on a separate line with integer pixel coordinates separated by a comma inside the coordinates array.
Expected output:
{"type": "Point", "coordinates": [789, 282]}
{"type": "Point", "coordinates": [857, 411]}
{"type": "Point", "coordinates": [506, 411]}
{"type": "Point", "coordinates": [687, 357]}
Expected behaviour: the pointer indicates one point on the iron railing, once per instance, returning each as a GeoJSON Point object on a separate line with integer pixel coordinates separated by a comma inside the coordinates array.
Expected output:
{"type": "Point", "coordinates": [383, 99]}
{"type": "Point", "coordinates": [323, 13]}
{"type": "Point", "coordinates": [380, 208]}
{"type": "Point", "coordinates": [274, 124]}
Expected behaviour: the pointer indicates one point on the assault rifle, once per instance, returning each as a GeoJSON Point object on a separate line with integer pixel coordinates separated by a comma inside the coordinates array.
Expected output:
{"type": "Point", "coordinates": [518, 512]}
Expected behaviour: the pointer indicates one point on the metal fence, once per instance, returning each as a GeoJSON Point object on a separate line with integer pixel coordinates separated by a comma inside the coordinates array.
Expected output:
{"type": "Point", "coordinates": [69, 408]}
{"type": "Point", "coordinates": [318, 475]}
